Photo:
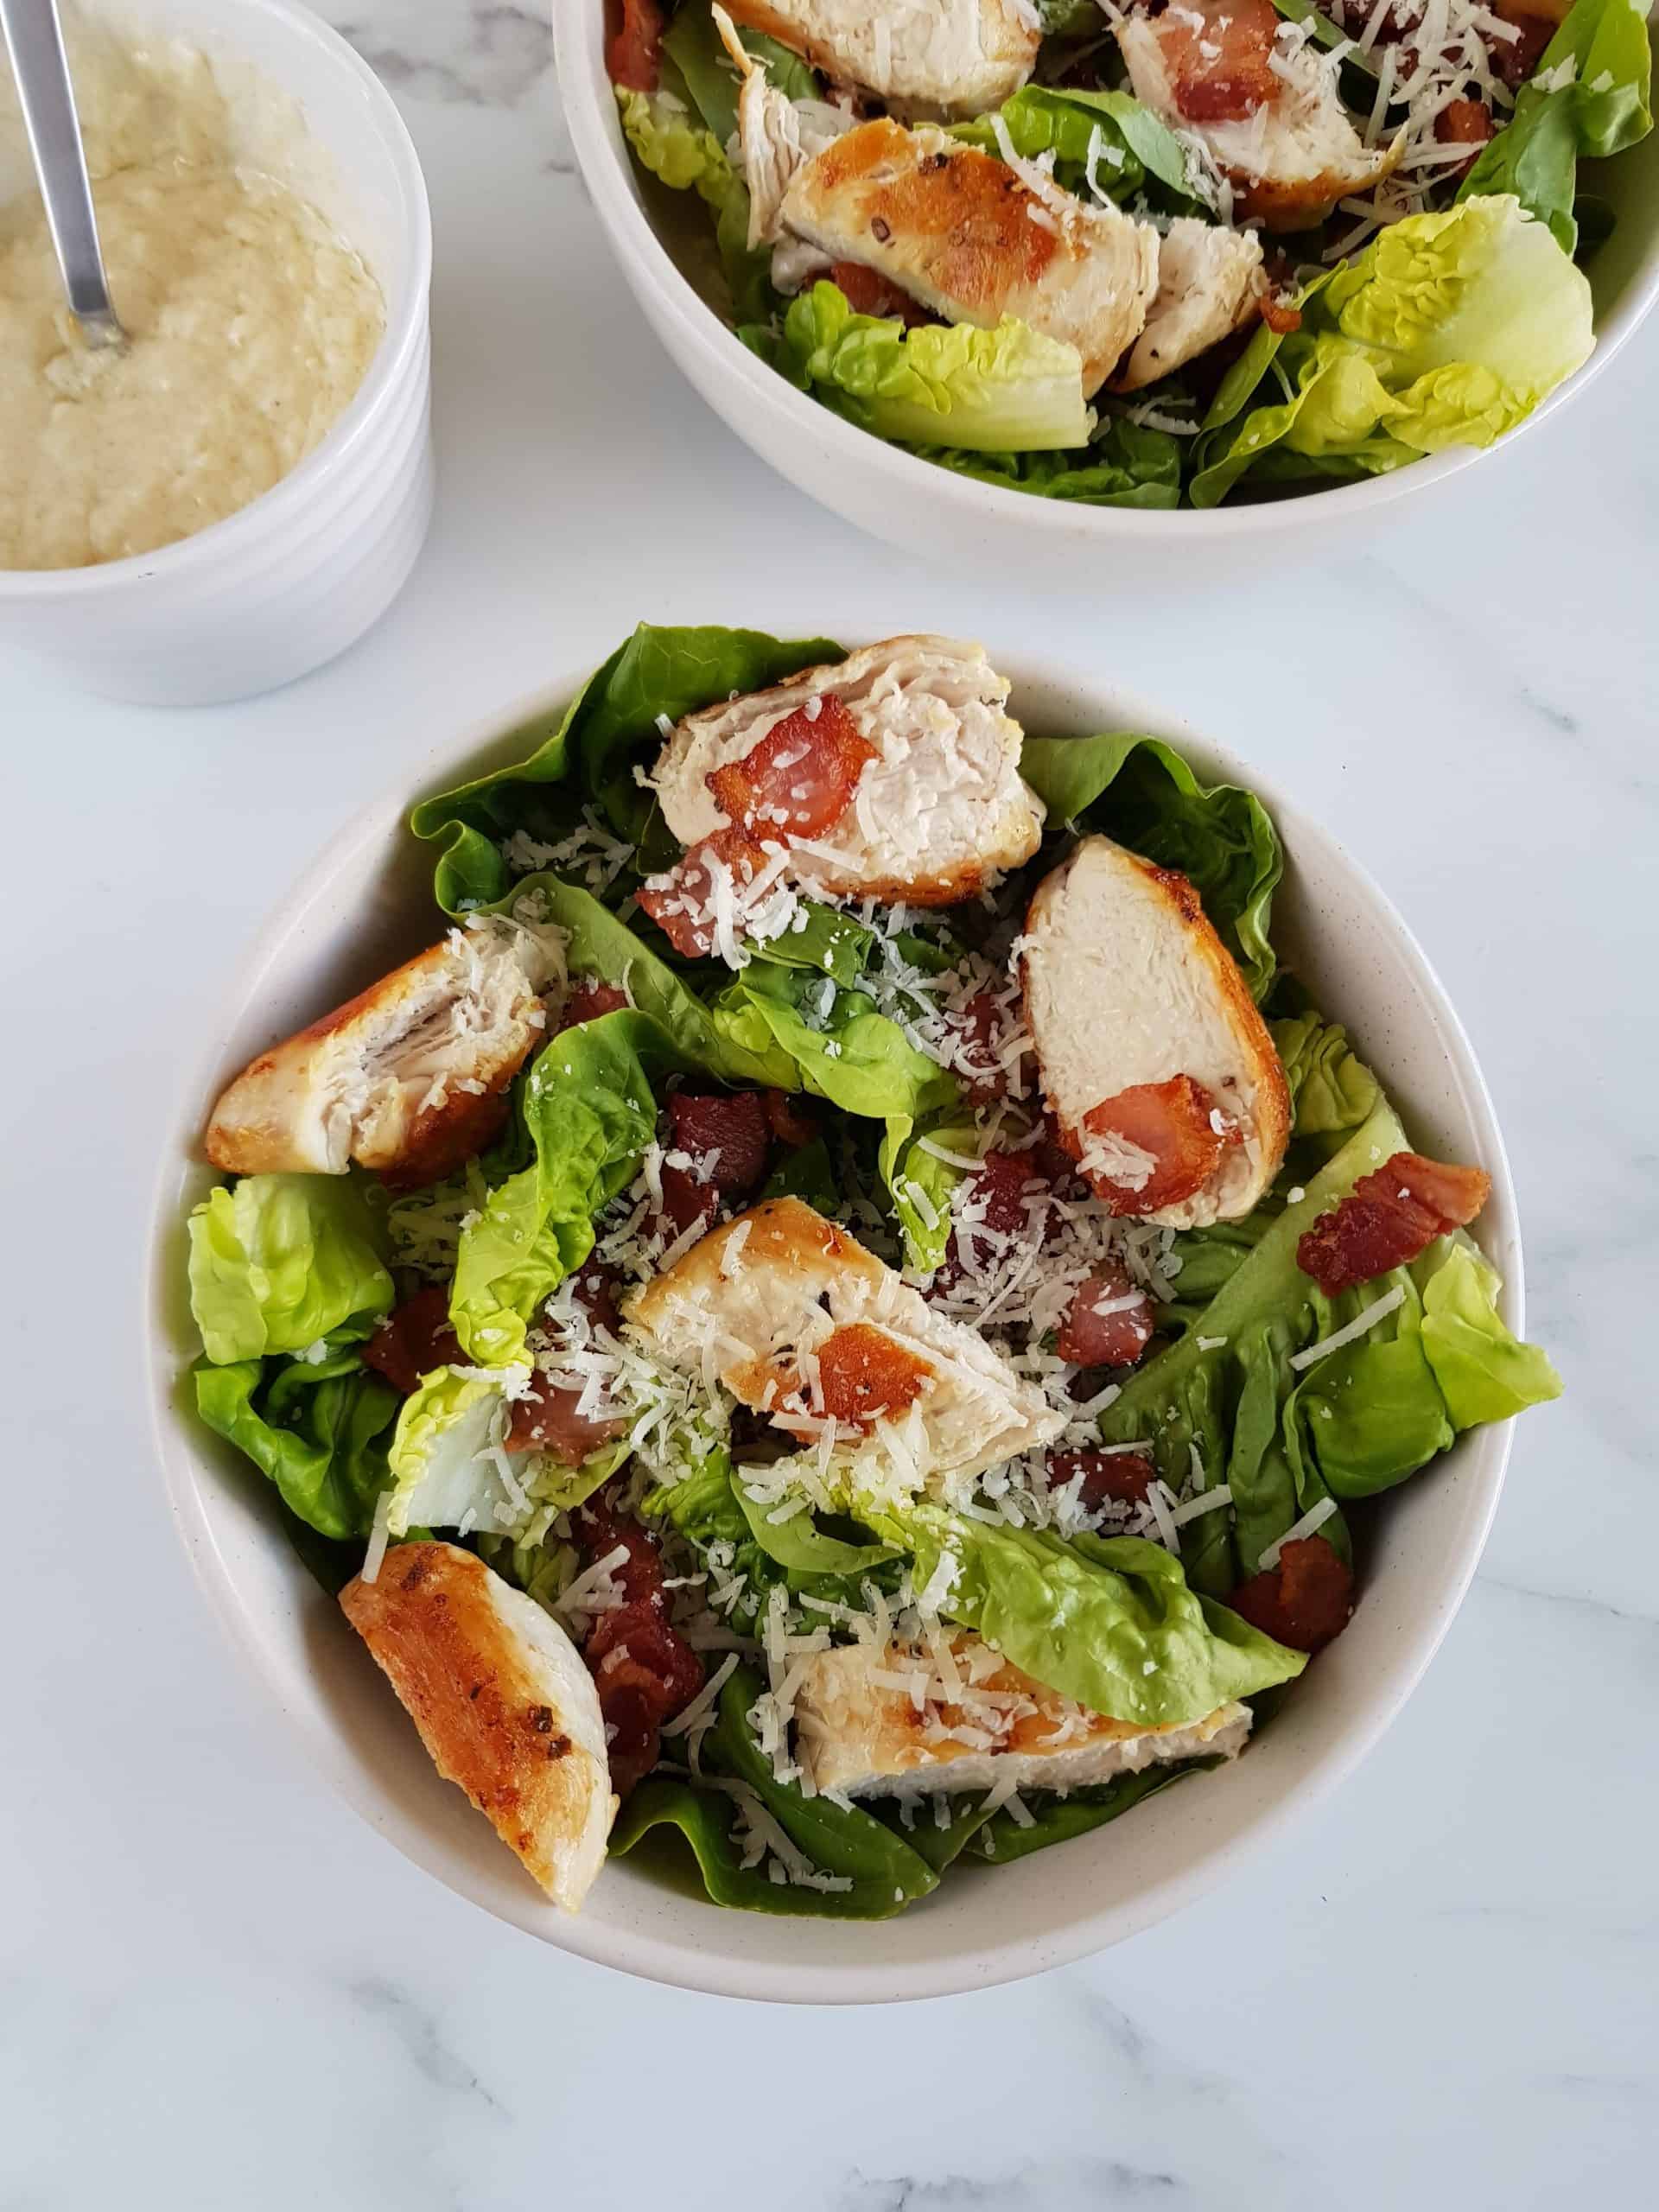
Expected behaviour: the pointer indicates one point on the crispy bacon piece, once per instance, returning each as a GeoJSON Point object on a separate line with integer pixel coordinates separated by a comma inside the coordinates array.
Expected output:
{"type": "Point", "coordinates": [1175, 1124]}
{"type": "Point", "coordinates": [1390, 1217]}
{"type": "Point", "coordinates": [588, 999]}
{"type": "Point", "coordinates": [791, 1122]}
{"type": "Point", "coordinates": [633, 55]}
{"type": "Point", "coordinates": [862, 1373]}
{"type": "Point", "coordinates": [546, 1419]}
{"type": "Point", "coordinates": [1304, 1601]}
{"type": "Point", "coordinates": [1515, 60]}
{"type": "Point", "coordinates": [1109, 1478]}
{"type": "Point", "coordinates": [997, 1193]}
{"type": "Point", "coordinates": [1090, 1337]}
{"type": "Point", "coordinates": [869, 292]}
{"type": "Point", "coordinates": [414, 1338]}
{"type": "Point", "coordinates": [1463, 123]}
{"type": "Point", "coordinates": [644, 1669]}
{"type": "Point", "coordinates": [595, 1289]}
{"type": "Point", "coordinates": [799, 779]}
{"type": "Point", "coordinates": [978, 1064]}
{"type": "Point", "coordinates": [1280, 311]}
{"type": "Point", "coordinates": [681, 902]}
{"type": "Point", "coordinates": [728, 1133]}
{"type": "Point", "coordinates": [1219, 70]}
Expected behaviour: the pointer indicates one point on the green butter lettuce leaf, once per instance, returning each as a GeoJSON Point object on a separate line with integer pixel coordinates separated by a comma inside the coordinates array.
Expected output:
{"type": "Point", "coordinates": [1484, 1373]}
{"type": "Point", "coordinates": [919, 1184]}
{"type": "Point", "coordinates": [881, 1872]}
{"type": "Point", "coordinates": [319, 1431]}
{"type": "Point", "coordinates": [599, 943]}
{"type": "Point", "coordinates": [439, 1455]}
{"type": "Point", "coordinates": [1109, 1621]}
{"type": "Point", "coordinates": [1448, 330]}
{"type": "Point", "coordinates": [280, 1262]}
{"type": "Point", "coordinates": [693, 44]}
{"type": "Point", "coordinates": [1362, 1418]}
{"type": "Point", "coordinates": [590, 1110]}
{"type": "Point", "coordinates": [829, 943]}
{"type": "Point", "coordinates": [843, 1050]}
{"type": "Point", "coordinates": [1055, 1819]}
{"type": "Point", "coordinates": [1141, 791]}
{"type": "Point", "coordinates": [1107, 136]}
{"type": "Point", "coordinates": [1332, 1089]}
{"type": "Point", "coordinates": [1125, 464]}
{"type": "Point", "coordinates": [1590, 96]}
{"type": "Point", "coordinates": [809, 1174]}
{"type": "Point", "coordinates": [1009, 390]}
{"type": "Point", "coordinates": [590, 748]}
{"type": "Point", "coordinates": [801, 1545]}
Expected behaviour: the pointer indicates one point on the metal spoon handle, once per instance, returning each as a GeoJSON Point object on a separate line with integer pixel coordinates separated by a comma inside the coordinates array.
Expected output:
{"type": "Point", "coordinates": [34, 41]}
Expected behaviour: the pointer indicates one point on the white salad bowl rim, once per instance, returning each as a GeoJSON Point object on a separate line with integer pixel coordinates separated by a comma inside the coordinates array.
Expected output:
{"type": "Point", "coordinates": [285, 502]}
{"type": "Point", "coordinates": [429, 1823]}
{"type": "Point", "coordinates": [689, 326]}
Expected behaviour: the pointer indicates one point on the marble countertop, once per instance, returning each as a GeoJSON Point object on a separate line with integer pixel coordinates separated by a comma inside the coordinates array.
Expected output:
{"type": "Point", "coordinates": [219, 1988]}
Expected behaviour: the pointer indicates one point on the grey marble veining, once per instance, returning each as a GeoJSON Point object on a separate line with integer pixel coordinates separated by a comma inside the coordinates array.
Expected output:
{"type": "Point", "coordinates": [217, 1987]}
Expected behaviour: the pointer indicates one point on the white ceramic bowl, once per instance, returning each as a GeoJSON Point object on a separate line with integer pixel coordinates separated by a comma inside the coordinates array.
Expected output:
{"type": "Point", "coordinates": [366, 904]}
{"type": "Point", "coordinates": [935, 511]}
{"type": "Point", "coordinates": [299, 575]}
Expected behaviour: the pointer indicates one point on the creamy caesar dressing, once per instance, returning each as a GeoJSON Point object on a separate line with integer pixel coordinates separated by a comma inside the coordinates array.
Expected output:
{"type": "Point", "coordinates": [251, 324]}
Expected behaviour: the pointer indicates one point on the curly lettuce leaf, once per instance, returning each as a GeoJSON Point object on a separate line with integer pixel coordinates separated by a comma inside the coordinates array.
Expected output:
{"type": "Point", "coordinates": [1109, 1621]}
{"type": "Point", "coordinates": [1125, 464]}
{"type": "Point", "coordinates": [677, 148]}
{"type": "Point", "coordinates": [880, 1873]}
{"type": "Point", "coordinates": [318, 1430]}
{"type": "Point", "coordinates": [1590, 96]}
{"type": "Point", "coordinates": [1448, 330]}
{"type": "Point", "coordinates": [1009, 390]}
{"type": "Point", "coordinates": [1140, 791]}
{"type": "Point", "coordinates": [591, 748]}
{"type": "Point", "coordinates": [280, 1261]}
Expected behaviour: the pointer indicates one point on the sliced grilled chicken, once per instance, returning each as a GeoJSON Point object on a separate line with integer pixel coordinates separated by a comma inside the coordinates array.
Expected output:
{"type": "Point", "coordinates": [1209, 283]}
{"type": "Point", "coordinates": [408, 1078]}
{"type": "Point", "coordinates": [503, 1703]}
{"type": "Point", "coordinates": [1263, 104]}
{"type": "Point", "coordinates": [966, 235]}
{"type": "Point", "coordinates": [775, 133]}
{"type": "Point", "coordinates": [1158, 1068]}
{"type": "Point", "coordinates": [800, 1322]}
{"type": "Point", "coordinates": [920, 57]}
{"type": "Point", "coordinates": [931, 805]}
{"type": "Point", "coordinates": [875, 1723]}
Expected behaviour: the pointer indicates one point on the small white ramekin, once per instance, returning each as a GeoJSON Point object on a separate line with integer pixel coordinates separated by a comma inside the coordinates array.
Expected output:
{"type": "Point", "coordinates": [301, 573]}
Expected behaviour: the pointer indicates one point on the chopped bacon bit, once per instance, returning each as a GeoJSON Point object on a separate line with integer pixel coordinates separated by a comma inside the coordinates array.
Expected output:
{"type": "Point", "coordinates": [1515, 60]}
{"type": "Point", "coordinates": [862, 1372]}
{"type": "Point", "coordinates": [546, 1419]}
{"type": "Point", "coordinates": [1109, 1478]}
{"type": "Point", "coordinates": [687, 1199]}
{"type": "Point", "coordinates": [1463, 123]}
{"type": "Point", "coordinates": [1174, 1122]}
{"type": "Point", "coordinates": [644, 1669]}
{"type": "Point", "coordinates": [1390, 1217]}
{"type": "Point", "coordinates": [1304, 1601]}
{"type": "Point", "coordinates": [727, 1134]}
{"type": "Point", "coordinates": [633, 54]}
{"type": "Point", "coordinates": [996, 1193]}
{"type": "Point", "coordinates": [980, 1023]}
{"type": "Point", "coordinates": [1091, 1338]}
{"type": "Point", "coordinates": [799, 779]}
{"type": "Point", "coordinates": [790, 1122]}
{"type": "Point", "coordinates": [588, 999]}
{"type": "Point", "coordinates": [680, 902]}
{"type": "Point", "coordinates": [1220, 69]}
{"type": "Point", "coordinates": [595, 1288]}
{"type": "Point", "coordinates": [869, 292]}
{"type": "Point", "coordinates": [414, 1338]}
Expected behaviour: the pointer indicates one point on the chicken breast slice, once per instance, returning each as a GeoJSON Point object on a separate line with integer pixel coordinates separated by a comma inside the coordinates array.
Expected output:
{"type": "Point", "coordinates": [754, 1304]}
{"type": "Point", "coordinates": [1127, 985]}
{"type": "Point", "coordinates": [939, 813]}
{"type": "Point", "coordinates": [775, 135]}
{"type": "Point", "coordinates": [503, 1703]}
{"type": "Point", "coordinates": [933, 57]}
{"type": "Point", "coordinates": [1209, 283]}
{"type": "Point", "coordinates": [914, 1733]}
{"type": "Point", "coordinates": [408, 1077]}
{"type": "Point", "coordinates": [1295, 153]}
{"type": "Point", "coordinates": [966, 235]}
